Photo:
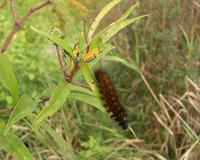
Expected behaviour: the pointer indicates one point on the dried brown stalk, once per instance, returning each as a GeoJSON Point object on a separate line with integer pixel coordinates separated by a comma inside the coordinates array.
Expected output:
{"type": "Point", "coordinates": [18, 22]}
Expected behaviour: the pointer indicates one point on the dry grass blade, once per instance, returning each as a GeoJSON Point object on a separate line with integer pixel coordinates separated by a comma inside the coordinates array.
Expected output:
{"type": "Point", "coordinates": [100, 16]}
{"type": "Point", "coordinates": [79, 5]}
{"type": "Point", "coordinates": [193, 84]}
{"type": "Point", "coordinates": [193, 100]}
{"type": "Point", "coordinates": [163, 124]}
{"type": "Point", "coordinates": [179, 117]}
{"type": "Point", "coordinates": [186, 156]}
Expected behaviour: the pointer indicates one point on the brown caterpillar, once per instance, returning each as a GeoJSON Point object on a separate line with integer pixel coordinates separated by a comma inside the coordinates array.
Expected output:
{"type": "Point", "coordinates": [110, 98]}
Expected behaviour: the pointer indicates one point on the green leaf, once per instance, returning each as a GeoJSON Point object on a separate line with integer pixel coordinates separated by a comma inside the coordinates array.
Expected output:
{"type": "Point", "coordinates": [13, 145]}
{"type": "Point", "coordinates": [132, 65]}
{"type": "Point", "coordinates": [128, 12]}
{"type": "Point", "coordinates": [57, 40]}
{"type": "Point", "coordinates": [90, 79]}
{"type": "Point", "coordinates": [114, 29]}
{"type": "Point", "coordinates": [65, 147]}
{"type": "Point", "coordinates": [117, 22]}
{"type": "Point", "coordinates": [48, 91]}
{"type": "Point", "coordinates": [100, 16]}
{"type": "Point", "coordinates": [95, 43]}
{"type": "Point", "coordinates": [8, 76]}
{"type": "Point", "coordinates": [79, 93]}
{"type": "Point", "coordinates": [23, 108]}
{"type": "Point", "coordinates": [137, 48]}
{"type": "Point", "coordinates": [56, 101]}
{"type": "Point", "coordinates": [190, 43]}
{"type": "Point", "coordinates": [80, 89]}
{"type": "Point", "coordinates": [89, 99]}
{"type": "Point", "coordinates": [82, 41]}
{"type": "Point", "coordinates": [107, 49]}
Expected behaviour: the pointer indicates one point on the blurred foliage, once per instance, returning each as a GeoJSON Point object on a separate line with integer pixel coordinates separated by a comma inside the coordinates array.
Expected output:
{"type": "Point", "coordinates": [165, 60]}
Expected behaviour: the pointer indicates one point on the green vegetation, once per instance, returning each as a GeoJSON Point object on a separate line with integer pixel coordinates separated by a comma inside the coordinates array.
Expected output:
{"type": "Point", "coordinates": [50, 105]}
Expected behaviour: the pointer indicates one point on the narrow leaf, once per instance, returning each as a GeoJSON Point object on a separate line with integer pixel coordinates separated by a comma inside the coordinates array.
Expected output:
{"type": "Point", "coordinates": [137, 48]}
{"type": "Point", "coordinates": [65, 147]}
{"type": "Point", "coordinates": [91, 80]}
{"type": "Point", "coordinates": [197, 4]}
{"type": "Point", "coordinates": [8, 77]}
{"type": "Point", "coordinates": [82, 41]}
{"type": "Point", "coordinates": [89, 77]}
{"type": "Point", "coordinates": [95, 43]}
{"type": "Point", "coordinates": [80, 89]}
{"type": "Point", "coordinates": [106, 50]}
{"type": "Point", "coordinates": [23, 108]}
{"type": "Point", "coordinates": [79, 93]}
{"type": "Point", "coordinates": [89, 99]}
{"type": "Point", "coordinates": [48, 91]}
{"type": "Point", "coordinates": [118, 27]}
{"type": "Point", "coordinates": [57, 40]}
{"type": "Point", "coordinates": [100, 16]}
{"type": "Point", "coordinates": [79, 5]}
{"type": "Point", "coordinates": [128, 12]}
{"type": "Point", "coordinates": [13, 145]}
{"type": "Point", "coordinates": [56, 101]}
{"type": "Point", "coordinates": [120, 20]}
{"type": "Point", "coordinates": [132, 65]}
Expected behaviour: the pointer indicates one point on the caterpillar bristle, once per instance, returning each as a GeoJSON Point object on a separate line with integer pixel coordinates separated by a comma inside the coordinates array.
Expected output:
{"type": "Point", "coordinates": [110, 98]}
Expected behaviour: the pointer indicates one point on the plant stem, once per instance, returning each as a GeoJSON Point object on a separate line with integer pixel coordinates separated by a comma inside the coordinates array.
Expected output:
{"type": "Point", "coordinates": [150, 89]}
{"type": "Point", "coordinates": [18, 23]}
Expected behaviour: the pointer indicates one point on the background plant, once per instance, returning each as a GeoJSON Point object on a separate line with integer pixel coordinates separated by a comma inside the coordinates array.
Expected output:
{"type": "Point", "coordinates": [155, 46]}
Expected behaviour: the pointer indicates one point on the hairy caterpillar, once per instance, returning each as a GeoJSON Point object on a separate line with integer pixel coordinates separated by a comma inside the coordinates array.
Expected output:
{"type": "Point", "coordinates": [110, 98]}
